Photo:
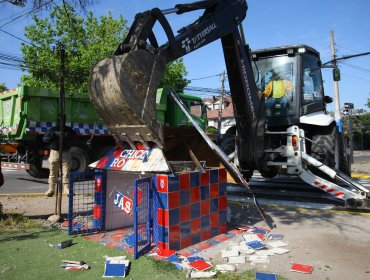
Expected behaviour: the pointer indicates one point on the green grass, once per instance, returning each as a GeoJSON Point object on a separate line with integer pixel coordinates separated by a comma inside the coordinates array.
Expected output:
{"type": "Point", "coordinates": [26, 254]}
{"type": "Point", "coordinates": [14, 222]}
{"type": "Point", "coordinates": [29, 256]}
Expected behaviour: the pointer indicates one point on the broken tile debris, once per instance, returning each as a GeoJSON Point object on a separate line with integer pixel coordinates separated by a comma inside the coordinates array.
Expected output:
{"type": "Point", "coordinates": [256, 245]}
{"type": "Point", "coordinates": [276, 244]}
{"type": "Point", "coordinates": [200, 265]}
{"type": "Point", "coordinates": [279, 250]}
{"type": "Point", "coordinates": [251, 237]}
{"type": "Point", "coordinates": [166, 253]}
{"type": "Point", "coordinates": [275, 236]}
{"type": "Point", "coordinates": [248, 247]}
{"type": "Point", "coordinates": [264, 253]}
{"type": "Point", "coordinates": [201, 274]}
{"type": "Point", "coordinates": [116, 266]}
{"type": "Point", "coordinates": [230, 253]}
{"type": "Point", "coordinates": [259, 259]}
{"type": "Point", "coordinates": [195, 258]}
{"type": "Point", "coordinates": [302, 268]}
{"type": "Point", "coordinates": [174, 259]}
{"type": "Point", "coordinates": [225, 267]}
{"type": "Point", "coordinates": [265, 276]}
{"type": "Point", "coordinates": [237, 260]}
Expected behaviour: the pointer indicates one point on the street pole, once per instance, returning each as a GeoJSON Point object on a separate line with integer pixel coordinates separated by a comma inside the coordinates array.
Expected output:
{"type": "Point", "coordinates": [61, 131]}
{"type": "Point", "coordinates": [337, 115]}
{"type": "Point", "coordinates": [350, 134]}
{"type": "Point", "coordinates": [223, 77]}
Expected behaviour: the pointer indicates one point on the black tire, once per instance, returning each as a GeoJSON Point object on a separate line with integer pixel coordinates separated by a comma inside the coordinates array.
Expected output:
{"type": "Point", "coordinates": [324, 149]}
{"type": "Point", "coordinates": [344, 158]}
{"type": "Point", "coordinates": [228, 147]}
{"type": "Point", "coordinates": [37, 172]}
{"type": "Point", "coordinates": [228, 144]}
{"type": "Point", "coordinates": [80, 159]}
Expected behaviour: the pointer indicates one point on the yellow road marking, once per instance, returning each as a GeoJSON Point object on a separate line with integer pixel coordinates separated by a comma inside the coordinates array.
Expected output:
{"type": "Point", "coordinates": [337, 211]}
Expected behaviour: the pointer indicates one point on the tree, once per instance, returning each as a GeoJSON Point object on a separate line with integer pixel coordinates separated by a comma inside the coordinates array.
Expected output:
{"type": "Point", "coordinates": [175, 75]}
{"type": "Point", "coordinates": [360, 130]}
{"type": "Point", "coordinates": [86, 41]}
{"type": "Point", "coordinates": [82, 4]}
{"type": "Point", "coordinates": [3, 87]}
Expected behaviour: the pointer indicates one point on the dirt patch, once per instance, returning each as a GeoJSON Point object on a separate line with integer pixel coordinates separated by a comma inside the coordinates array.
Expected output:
{"type": "Point", "coordinates": [32, 206]}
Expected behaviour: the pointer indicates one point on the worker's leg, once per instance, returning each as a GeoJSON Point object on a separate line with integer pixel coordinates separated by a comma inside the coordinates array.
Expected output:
{"type": "Point", "coordinates": [284, 106]}
{"type": "Point", "coordinates": [53, 174]}
{"type": "Point", "coordinates": [270, 103]}
{"type": "Point", "coordinates": [67, 160]}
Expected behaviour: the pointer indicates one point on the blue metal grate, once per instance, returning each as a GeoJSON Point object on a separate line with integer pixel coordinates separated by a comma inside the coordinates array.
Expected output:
{"type": "Point", "coordinates": [86, 211]}
{"type": "Point", "coordinates": [142, 216]}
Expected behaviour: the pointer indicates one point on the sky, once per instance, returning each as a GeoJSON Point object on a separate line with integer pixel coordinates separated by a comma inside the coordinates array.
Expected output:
{"type": "Point", "coordinates": [268, 23]}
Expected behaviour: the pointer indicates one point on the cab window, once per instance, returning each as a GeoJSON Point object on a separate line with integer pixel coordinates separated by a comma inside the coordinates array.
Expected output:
{"type": "Point", "coordinates": [312, 91]}
{"type": "Point", "coordinates": [276, 78]}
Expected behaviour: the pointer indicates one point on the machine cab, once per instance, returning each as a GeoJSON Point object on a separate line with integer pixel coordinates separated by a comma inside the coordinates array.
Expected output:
{"type": "Point", "coordinates": [290, 78]}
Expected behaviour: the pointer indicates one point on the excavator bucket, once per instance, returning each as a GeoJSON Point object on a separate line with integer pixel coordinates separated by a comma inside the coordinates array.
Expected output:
{"type": "Point", "coordinates": [123, 90]}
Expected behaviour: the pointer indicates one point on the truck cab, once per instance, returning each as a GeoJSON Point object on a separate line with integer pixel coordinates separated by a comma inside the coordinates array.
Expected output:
{"type": "Point", "coordinates": [290, 77]}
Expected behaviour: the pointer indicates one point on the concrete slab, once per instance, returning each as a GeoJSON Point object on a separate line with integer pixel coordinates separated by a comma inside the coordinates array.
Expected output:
{"type": "Point", "coordinates": [230, 253]}
{"type": "Point", "coordinates": [237, 260]}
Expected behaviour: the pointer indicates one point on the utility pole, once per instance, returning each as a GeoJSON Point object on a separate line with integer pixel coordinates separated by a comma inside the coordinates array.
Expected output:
{"type": "Point", "coordinates": [337, 114]}
{"type": "Point", "coordinates": [223, 78]}
{"type": "Point", "coordinates": [350, 127]}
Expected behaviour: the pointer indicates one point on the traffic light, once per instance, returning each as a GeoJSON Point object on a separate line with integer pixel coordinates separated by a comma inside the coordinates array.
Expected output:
{"type": "Point", "coordinates": [336, 74]}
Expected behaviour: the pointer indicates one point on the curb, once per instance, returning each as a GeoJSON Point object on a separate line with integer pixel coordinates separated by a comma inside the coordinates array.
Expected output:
{"type": "Point", "coordinates": [27, 194]}
{"type": "Point", "coordinates": [360, 176]}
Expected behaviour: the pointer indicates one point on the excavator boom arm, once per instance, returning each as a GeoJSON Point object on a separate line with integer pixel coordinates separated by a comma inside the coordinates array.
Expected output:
{"type": "Point", "coordinates": [127, 81]}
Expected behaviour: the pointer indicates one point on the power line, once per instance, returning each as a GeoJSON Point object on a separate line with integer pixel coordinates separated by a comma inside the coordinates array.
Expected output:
{"type": "Point", "coordinates": [17, 17]}
{"type": "Point", "coordinates": [206, 91]}
{"type": "Point", "coordinates": [343, 47]}
{"type": "Point", "coordinates": [359, 78]}
{"type": "Point", "coordinates": [195, 79]}
{"type": "Point", "coordinates": [356, 67]}
{"type": "Point", "coordinates": [6, 32]}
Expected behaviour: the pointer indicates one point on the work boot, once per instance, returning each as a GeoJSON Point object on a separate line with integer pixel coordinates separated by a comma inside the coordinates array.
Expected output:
{"type": "Point", "coordinates": [50, 192]}
{"type": "Point", "coordinates": [65, 190]}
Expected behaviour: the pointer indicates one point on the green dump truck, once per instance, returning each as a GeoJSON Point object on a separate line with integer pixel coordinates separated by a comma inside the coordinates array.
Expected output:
{"type": "Point", "coordinates": [26, 113]}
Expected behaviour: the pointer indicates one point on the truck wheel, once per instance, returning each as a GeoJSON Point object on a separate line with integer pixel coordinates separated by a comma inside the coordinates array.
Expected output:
{"type": "Point", "coordinates": [37, 172]}
{"type": "Point", "coordinates": [344, 159]}
{"type": "Point", "coordinates": [228, 141]}
{"type": "Point", "coordinates": [80, 159]}
{"type": "Point", "coordinates": [324, 151]}
{"type": "Point", "coordinates": [228, 145]}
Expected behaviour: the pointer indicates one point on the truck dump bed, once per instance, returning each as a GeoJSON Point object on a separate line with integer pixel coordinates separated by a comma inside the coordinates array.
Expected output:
{"type": "Point", "coordinates": [28, 111]}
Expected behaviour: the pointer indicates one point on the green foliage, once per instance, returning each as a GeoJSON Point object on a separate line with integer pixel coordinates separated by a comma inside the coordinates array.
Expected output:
{"type": "Point", "coordinates": [360, 130]}
{"type": "Point", "coordinates": [175, 76]}
{"type": "Point", "coordinates": [211, 130]}
{"type": "Point", "coordinates": [3, 87]}
{"type": "Point", "coordinates": [86, 41]}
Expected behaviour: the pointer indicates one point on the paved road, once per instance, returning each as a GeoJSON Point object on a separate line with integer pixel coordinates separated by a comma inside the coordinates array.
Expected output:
{"type": "Point", "coordinates": [361, 158]}
{"type": "Point", "coordinates": [18, 181]}
{"type": "Point", "coordinates": [280, 191]}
